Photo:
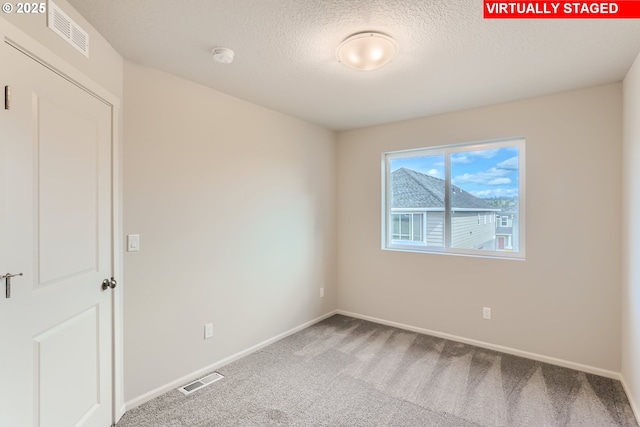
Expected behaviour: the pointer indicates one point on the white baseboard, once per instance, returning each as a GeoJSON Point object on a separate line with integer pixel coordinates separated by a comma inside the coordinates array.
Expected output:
{"type": "Point", "coordinates": [631, 397]}
{"type": "Point", "coordinates": [217, 365]}
{"type": "Point", "coordinates": [121, 412]}
{"type": "Point", "coordinates": [534, 356]}
{"type": "Point", "coordinates": [508, 350]}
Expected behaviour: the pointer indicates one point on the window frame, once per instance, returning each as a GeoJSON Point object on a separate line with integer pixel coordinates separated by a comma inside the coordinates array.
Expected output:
{"type": "Point", "coordinates": [447, 151]}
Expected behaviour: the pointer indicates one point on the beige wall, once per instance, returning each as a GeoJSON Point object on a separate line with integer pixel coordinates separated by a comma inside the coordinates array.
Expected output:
{"type": "Point", "coordinates": [234, 204]}
{"type": "Point", "coordinates": [564, 300]}
{"type": "Point", "coordinates": [631, 237]}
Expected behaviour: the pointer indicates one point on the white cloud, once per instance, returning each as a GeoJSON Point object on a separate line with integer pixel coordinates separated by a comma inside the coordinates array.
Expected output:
{"type": "Point", "coordinates": [496, 192]}
{"type": "Point", "coordinates": [493, 176]}
{"type": "Point", "coordinates": [461, 158]}
{"type": "Point", "coordinates": [499, 181]}
{"type": "Point", "coordinates": [510, 164]}
{"type": "Point", "coordinates": [497, 175]}
{"type": "Point", "coordinates": [485, 154]}
{"type": "Point", "coordinates": [434, 172]}
{"type": "Point", "coordinates": [468, 156]}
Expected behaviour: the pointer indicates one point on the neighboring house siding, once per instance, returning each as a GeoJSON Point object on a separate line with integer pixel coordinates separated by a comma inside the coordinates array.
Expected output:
{"type": "Point", "coordinates": [435, 229]}
{"type": "Point", "coordinates": [466, 233]}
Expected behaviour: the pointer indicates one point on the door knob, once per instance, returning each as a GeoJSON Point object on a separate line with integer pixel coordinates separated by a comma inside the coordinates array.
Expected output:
{"type": "Point", "coordinates": [8, 277]}
{"type": "Point", "coordinates": [109, 283]}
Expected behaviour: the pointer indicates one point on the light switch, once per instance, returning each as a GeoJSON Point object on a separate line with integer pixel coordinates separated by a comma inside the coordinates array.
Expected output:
{"type": "Point", "coordinates": [133, 243]}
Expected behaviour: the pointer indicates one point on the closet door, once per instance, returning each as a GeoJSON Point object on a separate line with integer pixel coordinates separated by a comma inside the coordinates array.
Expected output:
{"type": "Point", "coordinates": [55, 229]}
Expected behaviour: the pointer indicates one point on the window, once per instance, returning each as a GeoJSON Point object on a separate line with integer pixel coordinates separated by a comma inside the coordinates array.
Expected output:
{"type": "Point", "coordinates": [407, 226]}
{"type": "Point", "coordinates": [445, 199]}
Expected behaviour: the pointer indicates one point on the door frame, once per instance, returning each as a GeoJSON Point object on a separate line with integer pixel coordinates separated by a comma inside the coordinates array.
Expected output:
{"type": "Point", "coordinates": [18, 39]}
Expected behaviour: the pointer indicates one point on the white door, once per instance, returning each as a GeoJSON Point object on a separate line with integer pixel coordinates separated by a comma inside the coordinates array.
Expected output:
{"type": "Point", "coordinates": [55, 228]}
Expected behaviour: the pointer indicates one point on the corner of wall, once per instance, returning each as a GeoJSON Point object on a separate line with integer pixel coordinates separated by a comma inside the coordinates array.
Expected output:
{"type": "Point", "coordinates": [630, 312]}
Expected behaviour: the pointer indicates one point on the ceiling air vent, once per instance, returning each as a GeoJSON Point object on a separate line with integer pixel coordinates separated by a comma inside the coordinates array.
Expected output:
{"type": "Point", "coordinates": [202, 382]}
{"type": "Point", "coordinates": [66, 28]}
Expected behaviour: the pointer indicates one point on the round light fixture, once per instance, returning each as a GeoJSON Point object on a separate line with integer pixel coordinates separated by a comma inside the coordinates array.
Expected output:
{"type": "Point", "coordinates": [367, 51]}
{"type": "Point", "coordinates": [223, 55]}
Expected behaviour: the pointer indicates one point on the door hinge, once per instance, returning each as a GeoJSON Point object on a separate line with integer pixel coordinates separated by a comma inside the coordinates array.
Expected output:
{"type": "Point", "coordinates": [7, 98]}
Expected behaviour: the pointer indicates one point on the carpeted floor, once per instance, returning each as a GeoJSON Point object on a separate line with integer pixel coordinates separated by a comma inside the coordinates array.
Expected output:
{"type": "Point", "coordinates": [349, 372]}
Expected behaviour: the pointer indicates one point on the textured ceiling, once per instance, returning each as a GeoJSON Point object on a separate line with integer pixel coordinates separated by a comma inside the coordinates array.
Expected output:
{"type": "Point", "coordinates": [450, 57]}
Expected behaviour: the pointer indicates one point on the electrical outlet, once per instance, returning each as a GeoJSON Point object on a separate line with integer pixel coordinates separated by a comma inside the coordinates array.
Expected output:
{"type": "Point", "coordinates": [208, 330]}
{"type": "Point", "coordinates": [321, 292]}
{"type": "Point", "coordinates": [486, 313]}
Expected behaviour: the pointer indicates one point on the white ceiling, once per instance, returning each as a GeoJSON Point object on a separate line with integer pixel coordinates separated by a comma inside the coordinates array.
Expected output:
{"type": "Point", "coordinates": [450, 57]}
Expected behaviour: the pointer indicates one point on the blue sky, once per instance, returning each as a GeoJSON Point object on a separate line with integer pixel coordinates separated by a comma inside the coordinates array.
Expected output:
{"type": "Point", "coordinates": [487, 173]}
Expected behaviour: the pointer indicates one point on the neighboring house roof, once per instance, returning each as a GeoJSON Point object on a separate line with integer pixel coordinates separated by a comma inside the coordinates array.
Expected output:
{"type": "Point", "coordinates": [411, 189]}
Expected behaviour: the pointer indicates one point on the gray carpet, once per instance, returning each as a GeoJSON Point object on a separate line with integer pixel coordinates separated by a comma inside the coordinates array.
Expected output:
{"type": "Point", "coordinates": [349, 372]}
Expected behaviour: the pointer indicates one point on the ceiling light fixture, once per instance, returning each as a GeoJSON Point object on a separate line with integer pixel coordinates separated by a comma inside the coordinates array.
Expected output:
{"type": "Point", "coordinates": [223, 55]}
{"type": "Point", "coordinates": [367, 51]}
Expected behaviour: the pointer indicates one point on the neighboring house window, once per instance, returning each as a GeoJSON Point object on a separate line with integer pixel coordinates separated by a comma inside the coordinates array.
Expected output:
{"type": "Point", "coordinates": [407, 226]}
{"type": "Point", "coordinates": [445, 199]}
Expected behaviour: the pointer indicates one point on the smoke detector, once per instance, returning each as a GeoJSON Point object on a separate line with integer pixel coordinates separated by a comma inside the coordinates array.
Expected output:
{"type": "Point", "coordinates": [222, 55]}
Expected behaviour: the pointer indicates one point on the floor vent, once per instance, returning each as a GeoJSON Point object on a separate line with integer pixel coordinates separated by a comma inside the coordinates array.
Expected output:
{"type": "Point", "coordinates": [202, 382]}
{"type": "Point", "coordinates": [66, 28]}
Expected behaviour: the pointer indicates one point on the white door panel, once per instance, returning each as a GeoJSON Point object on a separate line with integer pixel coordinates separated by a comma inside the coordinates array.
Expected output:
{"type": "Point", "coordinates": [68, 190]}
{"type": "Point", "coordinates": [55, 218]}
{"type": "Point", "coordinates": [57, 366]}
